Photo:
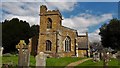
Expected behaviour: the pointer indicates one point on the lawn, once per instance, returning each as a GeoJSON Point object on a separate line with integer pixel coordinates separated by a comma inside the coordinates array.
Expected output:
{"type": "Point", "coordinates": [13, 60]}
{"type": "Point", "coordinates": [113, 62]}
{"type": "Point", "coordinates": [61, 61]}
{"type": "Point", "coordinates": [91, 64]}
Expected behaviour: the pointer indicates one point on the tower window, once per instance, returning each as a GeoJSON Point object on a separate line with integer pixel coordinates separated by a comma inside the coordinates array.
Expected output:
{"type": "Point", "coordinates": [67, 44]}
{"type": "Point", "coordinates": [49, 23]}
{"type": "Point", "coordinates": [48, 45]}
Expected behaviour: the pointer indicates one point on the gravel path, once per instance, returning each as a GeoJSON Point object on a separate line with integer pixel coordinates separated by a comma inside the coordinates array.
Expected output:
{"type": "Point", "coordinates": [73, 64]}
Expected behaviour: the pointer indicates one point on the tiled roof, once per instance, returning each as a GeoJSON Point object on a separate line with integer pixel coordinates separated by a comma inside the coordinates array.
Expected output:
{"type": "Point", "coordinates": [69, 28]}
{"type": "Point", "coordinates": [82, 42]}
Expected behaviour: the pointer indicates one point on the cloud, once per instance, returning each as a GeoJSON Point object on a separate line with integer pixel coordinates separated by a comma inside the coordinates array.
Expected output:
{"type": "Point", "coordinates": [20, 8]}
{"type": "Point", "coordinates": [32, 8]}
{"type": "Point", "coordinates": [62, 6]}
{"type": "Point", "coordinates": [30, 19]}
{"type": "Point", "coordinates": [94, 36]}
{"type": "Point", "coordinates": [23, 10]}
{"type": "Point", "coordinates": [29, 11]}
{"type": "Point", "coordinates": [39, 0]}
{"type": "Point", "coordinates": [60, 0]}
{"type": "Point", "coordinates": [83, 21]}
{"type": "Point", "coordinates": [23, 0]}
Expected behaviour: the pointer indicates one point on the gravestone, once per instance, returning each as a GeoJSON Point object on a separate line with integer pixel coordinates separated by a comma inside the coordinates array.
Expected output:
{"type": "Point", "coordinates": [118, 57]}
{"type": "Point", "coordinates": [105, 59]}
{"type": "Point", "coordinates": [114, 56]}
{"type": "Point", "coordinates": [40, 60]}
{"type": "Point", "coordinates": [96, 56]}
{"type": "Point", "coordinates": [1, 50]}
{"type": "Point", "coordinates": [24, 53]}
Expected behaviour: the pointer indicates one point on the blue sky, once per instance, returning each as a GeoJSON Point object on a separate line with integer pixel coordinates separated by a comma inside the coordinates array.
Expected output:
{"type": "Point", "coordinates": [82, 16]}
{"type": "Point", "coordinates": [94, 8]}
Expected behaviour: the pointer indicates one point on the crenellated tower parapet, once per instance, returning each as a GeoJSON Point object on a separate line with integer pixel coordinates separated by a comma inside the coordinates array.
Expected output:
{"type": "Point", "coordinates": [44, 11]}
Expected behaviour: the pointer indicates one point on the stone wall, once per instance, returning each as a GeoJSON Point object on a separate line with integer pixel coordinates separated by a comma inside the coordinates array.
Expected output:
{"type": "Point", "coordinates": [72, 34]}
{"type": "Point", "coordinates": [56, 34]}
{"type": "Point", "coordinates": [82, 53]}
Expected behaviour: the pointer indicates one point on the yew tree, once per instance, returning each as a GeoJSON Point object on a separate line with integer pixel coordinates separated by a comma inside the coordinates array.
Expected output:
{"type": "Point", "coordinates": [110, 34]}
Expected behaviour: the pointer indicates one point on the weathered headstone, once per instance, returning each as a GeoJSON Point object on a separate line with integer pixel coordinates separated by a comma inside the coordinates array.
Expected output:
{"type": "Point", "coordinates": [114, 56]}
{"type": "Point", "coordinates": [1, 50]}
{"type": "Point", "coordinates": [118, 57]}
{"type": "Point", "coordinates": [40, 60]}
{"type": "Point", "coordinates": [105, 59]}
{"type": "Point", "coordinates": [24, 53]}
{"type": "Point", "coordinates": [96, 56]}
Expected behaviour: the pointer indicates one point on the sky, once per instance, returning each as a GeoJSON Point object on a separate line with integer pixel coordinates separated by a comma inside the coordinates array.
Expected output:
{"type": "Point", "coordinates": [83, 16]}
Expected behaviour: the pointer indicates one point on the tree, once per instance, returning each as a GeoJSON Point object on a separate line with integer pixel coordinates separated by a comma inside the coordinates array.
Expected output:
{"type": "Point", "coordinates": [110, 34]}
{"type": "Point", "coordinates": [35, 36]}
{"type": "Point", "coordinates": [34, 30]}
{"type": "Point", "coordinates": [0, 34]}
{"type": "Point", "coordinates": [12, 32]}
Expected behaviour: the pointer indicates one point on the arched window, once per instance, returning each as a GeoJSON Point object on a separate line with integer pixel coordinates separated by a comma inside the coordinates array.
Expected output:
{"type": "Point", "coordinates": [67, 44]}
{"type": "Point", "coordinates": [48, 45]}
{"type": "Point", "coordinates": [49, 23]}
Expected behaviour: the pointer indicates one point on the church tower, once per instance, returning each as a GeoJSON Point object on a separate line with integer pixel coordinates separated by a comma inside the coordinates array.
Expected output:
{"type": "Point", "coordinates": [50, 23]}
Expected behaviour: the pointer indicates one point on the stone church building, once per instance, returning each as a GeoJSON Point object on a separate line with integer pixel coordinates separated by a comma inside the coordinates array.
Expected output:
{"type": "Point", "coordinates": [55, 39]}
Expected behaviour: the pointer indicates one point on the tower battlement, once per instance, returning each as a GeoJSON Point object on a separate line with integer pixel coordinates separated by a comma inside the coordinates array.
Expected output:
{"type": "Point", "coordinates": [44, 11]}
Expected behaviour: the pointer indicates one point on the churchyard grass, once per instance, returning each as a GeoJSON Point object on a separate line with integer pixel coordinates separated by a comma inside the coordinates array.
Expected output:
{"type": "Point", "coordinates": [90, 64]}
{"type": "Point", "coordinates": [50, 62]}
{"type": "Point", "coordinates": [114, 62]}
{"type": "Point", "coordinates": [32, 61]}
{"type": "Point", "coordinates": [61, 61]}
{"type": "Point", "coordinates": [13, 60]}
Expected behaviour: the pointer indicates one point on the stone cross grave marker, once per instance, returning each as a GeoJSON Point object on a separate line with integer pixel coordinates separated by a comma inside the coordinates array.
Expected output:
{"type": "Point", "coordinates": [24, 53]}
{"type": "Point", "coordinates": [41, 60]}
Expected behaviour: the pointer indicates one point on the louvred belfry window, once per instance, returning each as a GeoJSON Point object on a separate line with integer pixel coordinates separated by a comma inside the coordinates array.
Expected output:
{"type": "Point", "coordinates": [49, 23]}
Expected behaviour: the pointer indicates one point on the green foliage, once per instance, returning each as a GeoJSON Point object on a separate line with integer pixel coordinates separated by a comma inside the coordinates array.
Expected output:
{"type": "Point", "coordinates": [110, 34]}
{"type": "Point", "coordinates": [12, 32]}
{"type": "Point", "coordinates": [0, 34]}
{"type": "Point", "coordinates": [35, 30]}
{"type": "Point", "coordinates": [15, 30]}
